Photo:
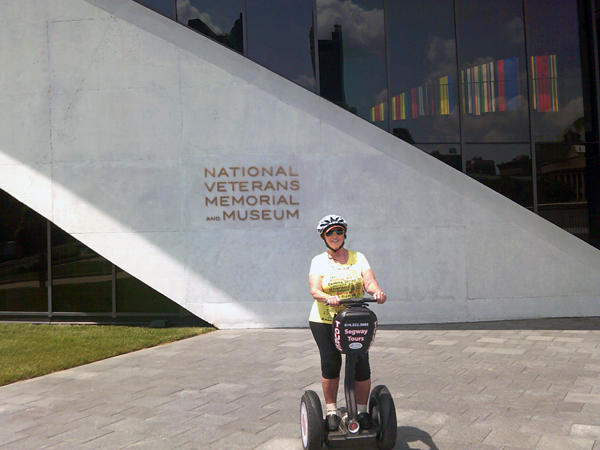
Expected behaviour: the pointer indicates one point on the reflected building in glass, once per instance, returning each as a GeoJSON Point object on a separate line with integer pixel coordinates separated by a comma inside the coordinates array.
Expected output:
{"type": "Point", "coordinates": [331, 68]}
{"type": "Point", "coordinates": [505, 92]}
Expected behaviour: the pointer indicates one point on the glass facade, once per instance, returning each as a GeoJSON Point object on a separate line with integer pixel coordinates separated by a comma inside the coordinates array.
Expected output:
{"type": "Point", "coordinates": [81, 279]}
{"type": "Point", "coordinates": [23, 258]}
{"type": "Point", "coordinates": [48, 275]}
{"type": "Point", "coordinates": [135, 297]}
{"type": "Point", "coordinates": [504, 92]}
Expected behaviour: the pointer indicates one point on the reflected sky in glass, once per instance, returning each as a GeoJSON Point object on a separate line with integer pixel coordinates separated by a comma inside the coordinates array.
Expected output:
{"type": "Point", "coordinates": [422, 51]}
{"type": "Point", "coordinates": [166, 7]}
{"type": "Point", "coordinates": [279, 38]}
{"type": "Point", "coordinates": [491, 50]}
{"type": "Point", "coordinates": [364, 79]}
{"type": "Point", "coordinates": [221, 20]}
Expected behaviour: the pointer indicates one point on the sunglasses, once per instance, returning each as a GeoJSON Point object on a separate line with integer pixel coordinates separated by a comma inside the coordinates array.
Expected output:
{"type": "Point", "coordinates": [337, 231]}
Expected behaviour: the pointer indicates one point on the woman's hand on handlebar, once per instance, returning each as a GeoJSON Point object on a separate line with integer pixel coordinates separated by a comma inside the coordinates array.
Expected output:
{"type": "Point", "coordinates": [380, 297]}
{"type": "Point", "coordinates": [334, 300]}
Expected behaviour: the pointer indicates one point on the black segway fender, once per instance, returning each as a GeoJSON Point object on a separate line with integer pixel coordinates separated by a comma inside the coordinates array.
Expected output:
{"type": "Point", "coordinates": [382, 397]}
{"type": "Point", "coordinates": [316, 404]}
{"type": "Point", "coordinates": [383, 410]}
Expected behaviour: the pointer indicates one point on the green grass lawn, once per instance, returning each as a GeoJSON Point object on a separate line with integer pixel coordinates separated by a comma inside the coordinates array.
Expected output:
{"type": "Point", "coordinates": [28, 351]}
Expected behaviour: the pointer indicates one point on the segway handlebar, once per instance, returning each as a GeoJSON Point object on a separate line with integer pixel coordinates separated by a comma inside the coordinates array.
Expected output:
{"type": "Point", "coordinates": [356, 301]}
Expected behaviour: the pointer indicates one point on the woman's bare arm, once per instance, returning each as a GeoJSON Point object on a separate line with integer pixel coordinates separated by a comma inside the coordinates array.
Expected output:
{"type": "Point", "coordinates": [316, 290]}
{"type": "Point", "coordinates": [372, 287]}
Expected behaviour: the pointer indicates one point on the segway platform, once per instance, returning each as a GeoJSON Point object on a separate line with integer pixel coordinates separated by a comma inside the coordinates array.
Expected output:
{"type": "Point", "coordinates": [344, 438]}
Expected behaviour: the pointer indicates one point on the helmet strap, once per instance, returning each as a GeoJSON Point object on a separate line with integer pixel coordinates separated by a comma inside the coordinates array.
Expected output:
{"type": "Point", "coordinates": [333, 249]}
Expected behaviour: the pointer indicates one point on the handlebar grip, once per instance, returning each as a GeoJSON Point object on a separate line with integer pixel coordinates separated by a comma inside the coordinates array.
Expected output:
{"type": "Point", "coordinates": [355, 301]}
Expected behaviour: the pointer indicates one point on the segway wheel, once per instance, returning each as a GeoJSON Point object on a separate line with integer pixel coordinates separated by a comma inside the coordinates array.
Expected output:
{"type": "Point", "coordinates": [311, 421]}
{"type": "Point", "coordinates": [383, 412]}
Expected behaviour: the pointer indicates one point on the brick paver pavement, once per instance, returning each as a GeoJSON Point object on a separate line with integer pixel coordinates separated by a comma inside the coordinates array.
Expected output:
{"type": "Point", "coordinates": [505, 385]}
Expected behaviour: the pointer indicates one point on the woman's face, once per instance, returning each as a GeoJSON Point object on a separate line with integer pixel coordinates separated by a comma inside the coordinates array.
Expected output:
{"type": "Point", "coordinates": [335, 240]}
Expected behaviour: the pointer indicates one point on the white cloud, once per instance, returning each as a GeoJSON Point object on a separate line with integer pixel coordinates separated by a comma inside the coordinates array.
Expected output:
{"type": "Point", "coordinates": [441, 49]}
{"type": "Point", "coordinates": [479, 61]}
{"type": "Point", "coordinates": [514, 30]}
{"type": "Point", "coordinates": [442, 56]}
{"type": "Point", "coordinates": [509, 126]}
{"type": "Point", "coordinates": [205, 17]}
{"type": "Point", "coordinates": [501, 127]}
{"type": "Point", "coordinates": [359, 27]}
{"type": "Point", "coordinates": [556, 123]}
{"type": "Point", "coordinates": [381, 97]}
{"type": "Point", "coordinates": [306, 81]}
{"type": "Point", "coordinates": [442, 125]}
{"type": "Point", "coordinates": [186, 12]}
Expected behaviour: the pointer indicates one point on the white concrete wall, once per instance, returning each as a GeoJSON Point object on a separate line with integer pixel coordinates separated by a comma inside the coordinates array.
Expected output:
{"type": "Point", "coordinates": [110, 113]}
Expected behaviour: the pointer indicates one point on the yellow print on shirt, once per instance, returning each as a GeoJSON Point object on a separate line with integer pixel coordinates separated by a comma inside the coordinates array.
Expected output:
{"type": "Point", "coordinates": [345, 284]}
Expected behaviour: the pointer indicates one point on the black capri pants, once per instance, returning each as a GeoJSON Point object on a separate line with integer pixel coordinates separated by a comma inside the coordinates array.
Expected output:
{"type": "Point", "coordinates": [331, 358]}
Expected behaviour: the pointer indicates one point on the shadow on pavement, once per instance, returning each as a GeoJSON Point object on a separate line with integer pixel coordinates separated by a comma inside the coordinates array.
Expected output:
{"type": "Point", "coordinates": [407, 435]}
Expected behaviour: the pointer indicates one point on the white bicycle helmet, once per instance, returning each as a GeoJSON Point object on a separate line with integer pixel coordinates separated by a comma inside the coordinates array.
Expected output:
{"type": "Point", "coordinates": [329, 221]}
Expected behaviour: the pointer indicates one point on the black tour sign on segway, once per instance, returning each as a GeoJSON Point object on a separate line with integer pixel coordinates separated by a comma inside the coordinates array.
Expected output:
{"type": "Point", "coordinates": [353, 333]}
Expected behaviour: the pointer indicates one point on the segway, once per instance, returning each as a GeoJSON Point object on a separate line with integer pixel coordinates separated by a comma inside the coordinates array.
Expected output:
{"type": "Point", "coordinates": [353, 334]}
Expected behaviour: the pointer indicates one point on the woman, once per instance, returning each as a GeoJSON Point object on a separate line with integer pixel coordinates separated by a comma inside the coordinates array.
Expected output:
{"type": "Point", "coordinates": [339, 274]}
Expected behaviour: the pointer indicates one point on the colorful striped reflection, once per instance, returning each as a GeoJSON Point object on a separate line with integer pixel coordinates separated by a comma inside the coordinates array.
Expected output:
{"type": "Point", "coordinates": [486, 88]}
{"type": "Point", "coordinates": [545, 83]}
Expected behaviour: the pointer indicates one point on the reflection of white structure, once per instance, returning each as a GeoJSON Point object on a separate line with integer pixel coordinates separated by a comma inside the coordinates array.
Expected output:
{"type": "Point", "coordinates": [517, 167]}
{"type": "Point", "coordinates": [111, 113]}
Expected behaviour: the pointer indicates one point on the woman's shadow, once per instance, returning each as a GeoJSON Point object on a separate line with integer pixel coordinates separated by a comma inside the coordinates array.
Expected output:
{"type": "Point", "coordinates": [406, 435]}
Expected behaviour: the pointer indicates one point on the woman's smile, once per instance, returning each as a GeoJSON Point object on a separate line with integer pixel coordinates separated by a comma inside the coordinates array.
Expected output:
{"type": "Point", "coordinates": [335, 240]}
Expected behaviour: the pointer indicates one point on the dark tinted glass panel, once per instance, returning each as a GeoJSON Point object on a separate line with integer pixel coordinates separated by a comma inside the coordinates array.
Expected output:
{"type": "Point", "coordinates": [81, 279]}
{"type": "Point", "coordinates": [561, 179]}
{"type": "Point", "coordinates": [557, 116]}
{"type": "Point", "coordinates": [491, 51]}
{"type": "Point", "coordinates": [133, 296]}
{"type": "Point", "coordinates": [23, 257]}
{"type": "Point", "coordinates": [555, 70]}
{"type": "Point", "coordinates": [424, 92]}
{"type": "Point", "coordinates": [352, 68]}
{"type": "Point", "coordinates": [166, 7]}
{"type": "Point", "coordinates": [506, 168]}
{"type": "Point", "coordinates": [280, 37]}
{"type": "Point", "coordinates": [221, 20]}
